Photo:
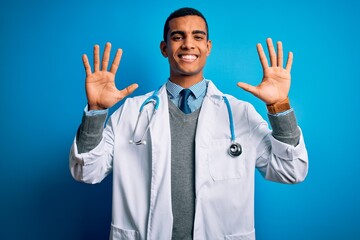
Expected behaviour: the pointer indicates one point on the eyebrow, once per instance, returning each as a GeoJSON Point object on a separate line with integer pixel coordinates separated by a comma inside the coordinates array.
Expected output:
{"type": "Point", "coordinates": [183, 33]}
{"type": "Point", "coordinates": [199, 32]}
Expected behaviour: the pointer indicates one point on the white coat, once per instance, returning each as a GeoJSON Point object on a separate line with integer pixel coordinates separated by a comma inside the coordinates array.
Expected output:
{"type": "Point", "coordinates": [224, 185]}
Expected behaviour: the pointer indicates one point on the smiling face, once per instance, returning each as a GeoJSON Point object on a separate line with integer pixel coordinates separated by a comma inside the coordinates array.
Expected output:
{"type": "Point", "coordinates": [186, 48]}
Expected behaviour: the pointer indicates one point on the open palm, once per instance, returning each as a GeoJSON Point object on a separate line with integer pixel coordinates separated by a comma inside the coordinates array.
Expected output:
{"type": "Point", "coordinates": [275, 84]}
{"type": "Point", "coordinates": [100, 85]}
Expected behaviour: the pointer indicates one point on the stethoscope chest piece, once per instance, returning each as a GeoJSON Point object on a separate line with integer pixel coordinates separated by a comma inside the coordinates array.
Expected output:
{"type": "Point", "coordinates": [235, 149]}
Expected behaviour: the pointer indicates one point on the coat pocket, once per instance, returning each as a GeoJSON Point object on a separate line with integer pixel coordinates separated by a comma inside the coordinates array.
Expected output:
{"type": "Point", "coordinates": [222, 166]}
{"type": "Point", "coordinates": [123, 234]}
{"type": "Point", "coordinates": [244, 236]}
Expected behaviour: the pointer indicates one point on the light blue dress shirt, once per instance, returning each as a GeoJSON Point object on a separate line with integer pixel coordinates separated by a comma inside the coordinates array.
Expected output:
{"type": "Point", "coordinates": [195, 100]}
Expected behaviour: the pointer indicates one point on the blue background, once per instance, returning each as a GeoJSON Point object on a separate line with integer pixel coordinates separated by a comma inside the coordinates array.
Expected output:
{"type": "Point", "coordinates": [42, 97]}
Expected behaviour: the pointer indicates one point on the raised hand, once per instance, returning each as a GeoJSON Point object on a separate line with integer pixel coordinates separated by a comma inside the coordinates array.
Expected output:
{"type": "Point", "coordinates": [275, 84]}
{"type": "Point", "coordinates": [100, 85]}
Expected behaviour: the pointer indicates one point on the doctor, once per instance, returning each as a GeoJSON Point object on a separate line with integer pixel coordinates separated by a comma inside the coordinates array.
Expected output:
{"type": "Point", "coordinates": [183, 183]}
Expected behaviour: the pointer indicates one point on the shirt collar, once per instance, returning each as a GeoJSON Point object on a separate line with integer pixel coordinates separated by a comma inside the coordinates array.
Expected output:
{"type": "Point", "coordinates": [197, 89]}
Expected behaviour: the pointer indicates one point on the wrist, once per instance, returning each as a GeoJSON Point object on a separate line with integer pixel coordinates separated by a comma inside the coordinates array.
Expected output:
{"type": "Point", "coordinates": [91, 107]}
{"type": "Point", "coordinates": [282, 106]}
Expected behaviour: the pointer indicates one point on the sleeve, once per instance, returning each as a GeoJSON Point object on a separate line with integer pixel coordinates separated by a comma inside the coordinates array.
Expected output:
{"type": "Point", "coordinates": [90, 131]}
{"type": "Point", "coordinates": [91, 154]}
{"type": "Point", "coordinates": [285, 128]}
{"type": "Point", "coordinates": [277, 159]}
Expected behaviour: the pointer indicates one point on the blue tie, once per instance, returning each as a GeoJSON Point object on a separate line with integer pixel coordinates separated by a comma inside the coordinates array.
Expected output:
{"type": "Point", "coordinates": [184, 106]}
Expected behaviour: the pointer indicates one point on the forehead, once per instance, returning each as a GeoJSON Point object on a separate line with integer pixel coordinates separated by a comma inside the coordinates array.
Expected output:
{"type": "Point", "coordinates": [187, 23]}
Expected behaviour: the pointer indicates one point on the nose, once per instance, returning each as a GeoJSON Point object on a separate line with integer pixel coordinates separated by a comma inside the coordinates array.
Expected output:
{"type": "Point", "coordinates": [188, 43]}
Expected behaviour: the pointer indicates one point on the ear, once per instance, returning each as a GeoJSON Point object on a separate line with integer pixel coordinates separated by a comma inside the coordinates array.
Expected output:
{"type": "Point", "coordinates": [209, 46]}
{"type": "Point", "coordinates": [163, 48]}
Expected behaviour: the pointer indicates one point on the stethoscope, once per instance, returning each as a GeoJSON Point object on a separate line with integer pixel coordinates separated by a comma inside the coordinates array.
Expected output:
{"type": "Point", "coordinates": [235, 148]}
{"type": "Point", "coordinates": [155, 100]}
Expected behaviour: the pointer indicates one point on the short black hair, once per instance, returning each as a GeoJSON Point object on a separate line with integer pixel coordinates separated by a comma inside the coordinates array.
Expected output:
{"type": "Point", "coordinates": [182, 12]}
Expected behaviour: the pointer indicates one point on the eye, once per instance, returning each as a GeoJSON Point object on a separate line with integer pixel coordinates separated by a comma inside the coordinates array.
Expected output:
{"type": "Point", "coordinates": [177, 38]}
{"type": "Point", "coordinates": [199, 37]}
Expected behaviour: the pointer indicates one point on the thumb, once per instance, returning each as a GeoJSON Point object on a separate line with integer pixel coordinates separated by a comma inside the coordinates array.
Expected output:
{"type": "Point", "coordinates": [249, 88]}
{"type": "Point", "coordinates": [127, 91]}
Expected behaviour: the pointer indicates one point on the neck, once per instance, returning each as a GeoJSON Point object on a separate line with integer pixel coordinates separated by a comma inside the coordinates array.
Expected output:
{"type": "Point", "coordinates": [186, 81]}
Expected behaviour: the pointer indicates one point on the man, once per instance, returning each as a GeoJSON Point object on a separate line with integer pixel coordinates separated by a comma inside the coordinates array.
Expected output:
{"type": "Point", "coordinates": [183, 183]}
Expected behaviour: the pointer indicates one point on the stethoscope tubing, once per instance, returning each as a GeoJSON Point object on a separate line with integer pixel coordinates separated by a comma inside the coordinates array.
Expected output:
{"type": "Point", "coordinates": [231, 120]}
{"type": "Point", "coordinates": [235, 148]}
{"type": "Point", "coordinates": [155, 100]}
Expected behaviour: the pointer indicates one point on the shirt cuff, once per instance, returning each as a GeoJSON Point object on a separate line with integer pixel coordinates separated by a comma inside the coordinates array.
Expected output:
{"type": "Point", "coordinates": [94, 112]}
{"type": "Point", "coordinates": [277, 114]}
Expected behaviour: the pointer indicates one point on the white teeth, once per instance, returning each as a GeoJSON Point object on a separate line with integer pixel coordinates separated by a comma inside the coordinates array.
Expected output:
{"type": "Point", "coordinates": [188, 57]}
